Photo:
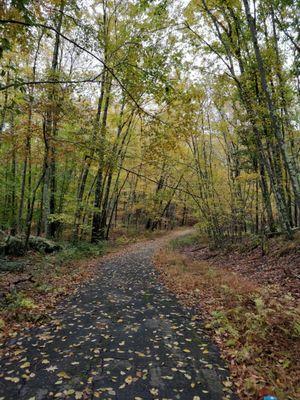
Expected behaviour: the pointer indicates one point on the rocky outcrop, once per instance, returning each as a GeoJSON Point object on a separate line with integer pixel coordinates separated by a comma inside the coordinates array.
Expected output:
{"type": "Point", "coordinates": [15, 245]}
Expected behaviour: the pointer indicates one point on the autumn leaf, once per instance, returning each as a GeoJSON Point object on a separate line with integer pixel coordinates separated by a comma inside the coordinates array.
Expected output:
{"type": "Point", "coordinates": [128, 380]}
{"type": "Point", "coordinates": [12, 379]}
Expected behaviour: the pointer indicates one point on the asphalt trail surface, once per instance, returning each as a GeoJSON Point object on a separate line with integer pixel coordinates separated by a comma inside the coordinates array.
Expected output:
{"type": "Point", "coordinates": [121, 336]}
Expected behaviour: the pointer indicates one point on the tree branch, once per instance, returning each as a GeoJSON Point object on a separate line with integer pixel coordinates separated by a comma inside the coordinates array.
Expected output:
{"type": "Point", "coordinates": [108, 68]}
{"type": "Point", "coordinates": [18, 84]}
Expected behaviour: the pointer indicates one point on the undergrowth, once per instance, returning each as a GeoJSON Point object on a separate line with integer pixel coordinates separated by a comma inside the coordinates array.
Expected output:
{"type": "Point", "coordinates": [81, 250]}
{"type": "Point", "coordinates": [184, 241]}
{"type": "Point", "coordinates": [257, 328]}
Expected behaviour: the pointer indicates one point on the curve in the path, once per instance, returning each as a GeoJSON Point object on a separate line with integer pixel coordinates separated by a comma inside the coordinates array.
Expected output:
{"type": "Point", "coordinates": [122, 336]}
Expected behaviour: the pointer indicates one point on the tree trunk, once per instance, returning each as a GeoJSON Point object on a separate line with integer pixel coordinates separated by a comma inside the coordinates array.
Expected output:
{"type": "Point", "coordinates": [288, 160]}
{"type": "Point", "coordinates": [87, 163]}
{"type": "Point", "coordinates": [51, 131]}
{"type": "Point", "coordinates": [97, 231]}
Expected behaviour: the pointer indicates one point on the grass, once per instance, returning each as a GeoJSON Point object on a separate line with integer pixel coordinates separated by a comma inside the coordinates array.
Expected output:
{"type": "Point", "coordinates": [81, 250]}
{"type": "Point", "coordinates": [257, 328]}
{"type": "Point", "coordinates": [184, 241]}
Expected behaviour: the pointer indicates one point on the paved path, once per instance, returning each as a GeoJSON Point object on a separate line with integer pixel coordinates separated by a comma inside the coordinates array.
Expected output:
{"type": "Point", "coordinates": [122, 336]}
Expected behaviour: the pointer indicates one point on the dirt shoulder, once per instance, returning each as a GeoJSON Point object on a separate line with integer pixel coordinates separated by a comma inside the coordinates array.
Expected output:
{"type": "Point", "coordinates": [278, 267]}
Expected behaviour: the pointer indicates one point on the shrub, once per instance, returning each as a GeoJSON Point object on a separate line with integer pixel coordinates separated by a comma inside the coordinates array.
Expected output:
{"type": "Point", "coordinates": [184, 241]}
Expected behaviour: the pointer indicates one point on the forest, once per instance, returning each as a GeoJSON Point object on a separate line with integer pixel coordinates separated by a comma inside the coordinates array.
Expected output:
{"type": "Point", "coordinates": [149, 199]}
{"type": "Point", "coordinates": [149, 114]}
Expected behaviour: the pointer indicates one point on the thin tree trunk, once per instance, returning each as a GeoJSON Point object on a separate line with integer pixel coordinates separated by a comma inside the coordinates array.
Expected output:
{"type": "Point", "coordinates": [5, 103]}
{"type": "Point", "coordinates": [87, 163]}
{"type": "Point", "coordinates": [13, 224]}
{"type": "Point", "coordinates": [97, 231]}
{"type": "Point", "coordinates": [288, 160]}
{"type": "Point", "coordinates": [51, 131]}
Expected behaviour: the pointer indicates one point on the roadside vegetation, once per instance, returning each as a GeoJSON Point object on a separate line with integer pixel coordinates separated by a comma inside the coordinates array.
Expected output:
{"type": "Point", "coordinates": [257, 326]}
{"type": "Point", "coordinates": [30, 286]}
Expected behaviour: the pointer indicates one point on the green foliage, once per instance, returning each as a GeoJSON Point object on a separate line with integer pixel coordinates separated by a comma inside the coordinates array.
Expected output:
{"type": "Point", "coordinates": [122, 240]}
{"type": "Point", "coordinates": [17, 301]}
{"type": "Point", "coordinates": [184, 241]}
{"type": "Point", "coordinates": [23, 7]}
{"type": "Point", "coordinates": [82, 250]}
{"type": "Point", "coordinates": [4, 46]}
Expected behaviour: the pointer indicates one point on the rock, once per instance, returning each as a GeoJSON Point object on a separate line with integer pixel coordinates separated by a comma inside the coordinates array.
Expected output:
{"type": "Point", "coordinates": [3, 238]}
{"type": "Point", "coordinates": [2, 249]}
{"type": "Point", "coordinates": [14, 246]}
{"type": "Point", "coordinates": [12, 266]}
{"type": "Point", "coordinates": [43, 245]}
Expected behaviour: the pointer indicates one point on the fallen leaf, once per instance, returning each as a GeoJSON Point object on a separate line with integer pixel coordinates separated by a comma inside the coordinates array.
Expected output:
{"type": "Point", "coordinates": [64, 375]}
{"type": "Point", "coordinates": [128, 380]}
{"type": "Point", "coordinates": [14, 380]}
